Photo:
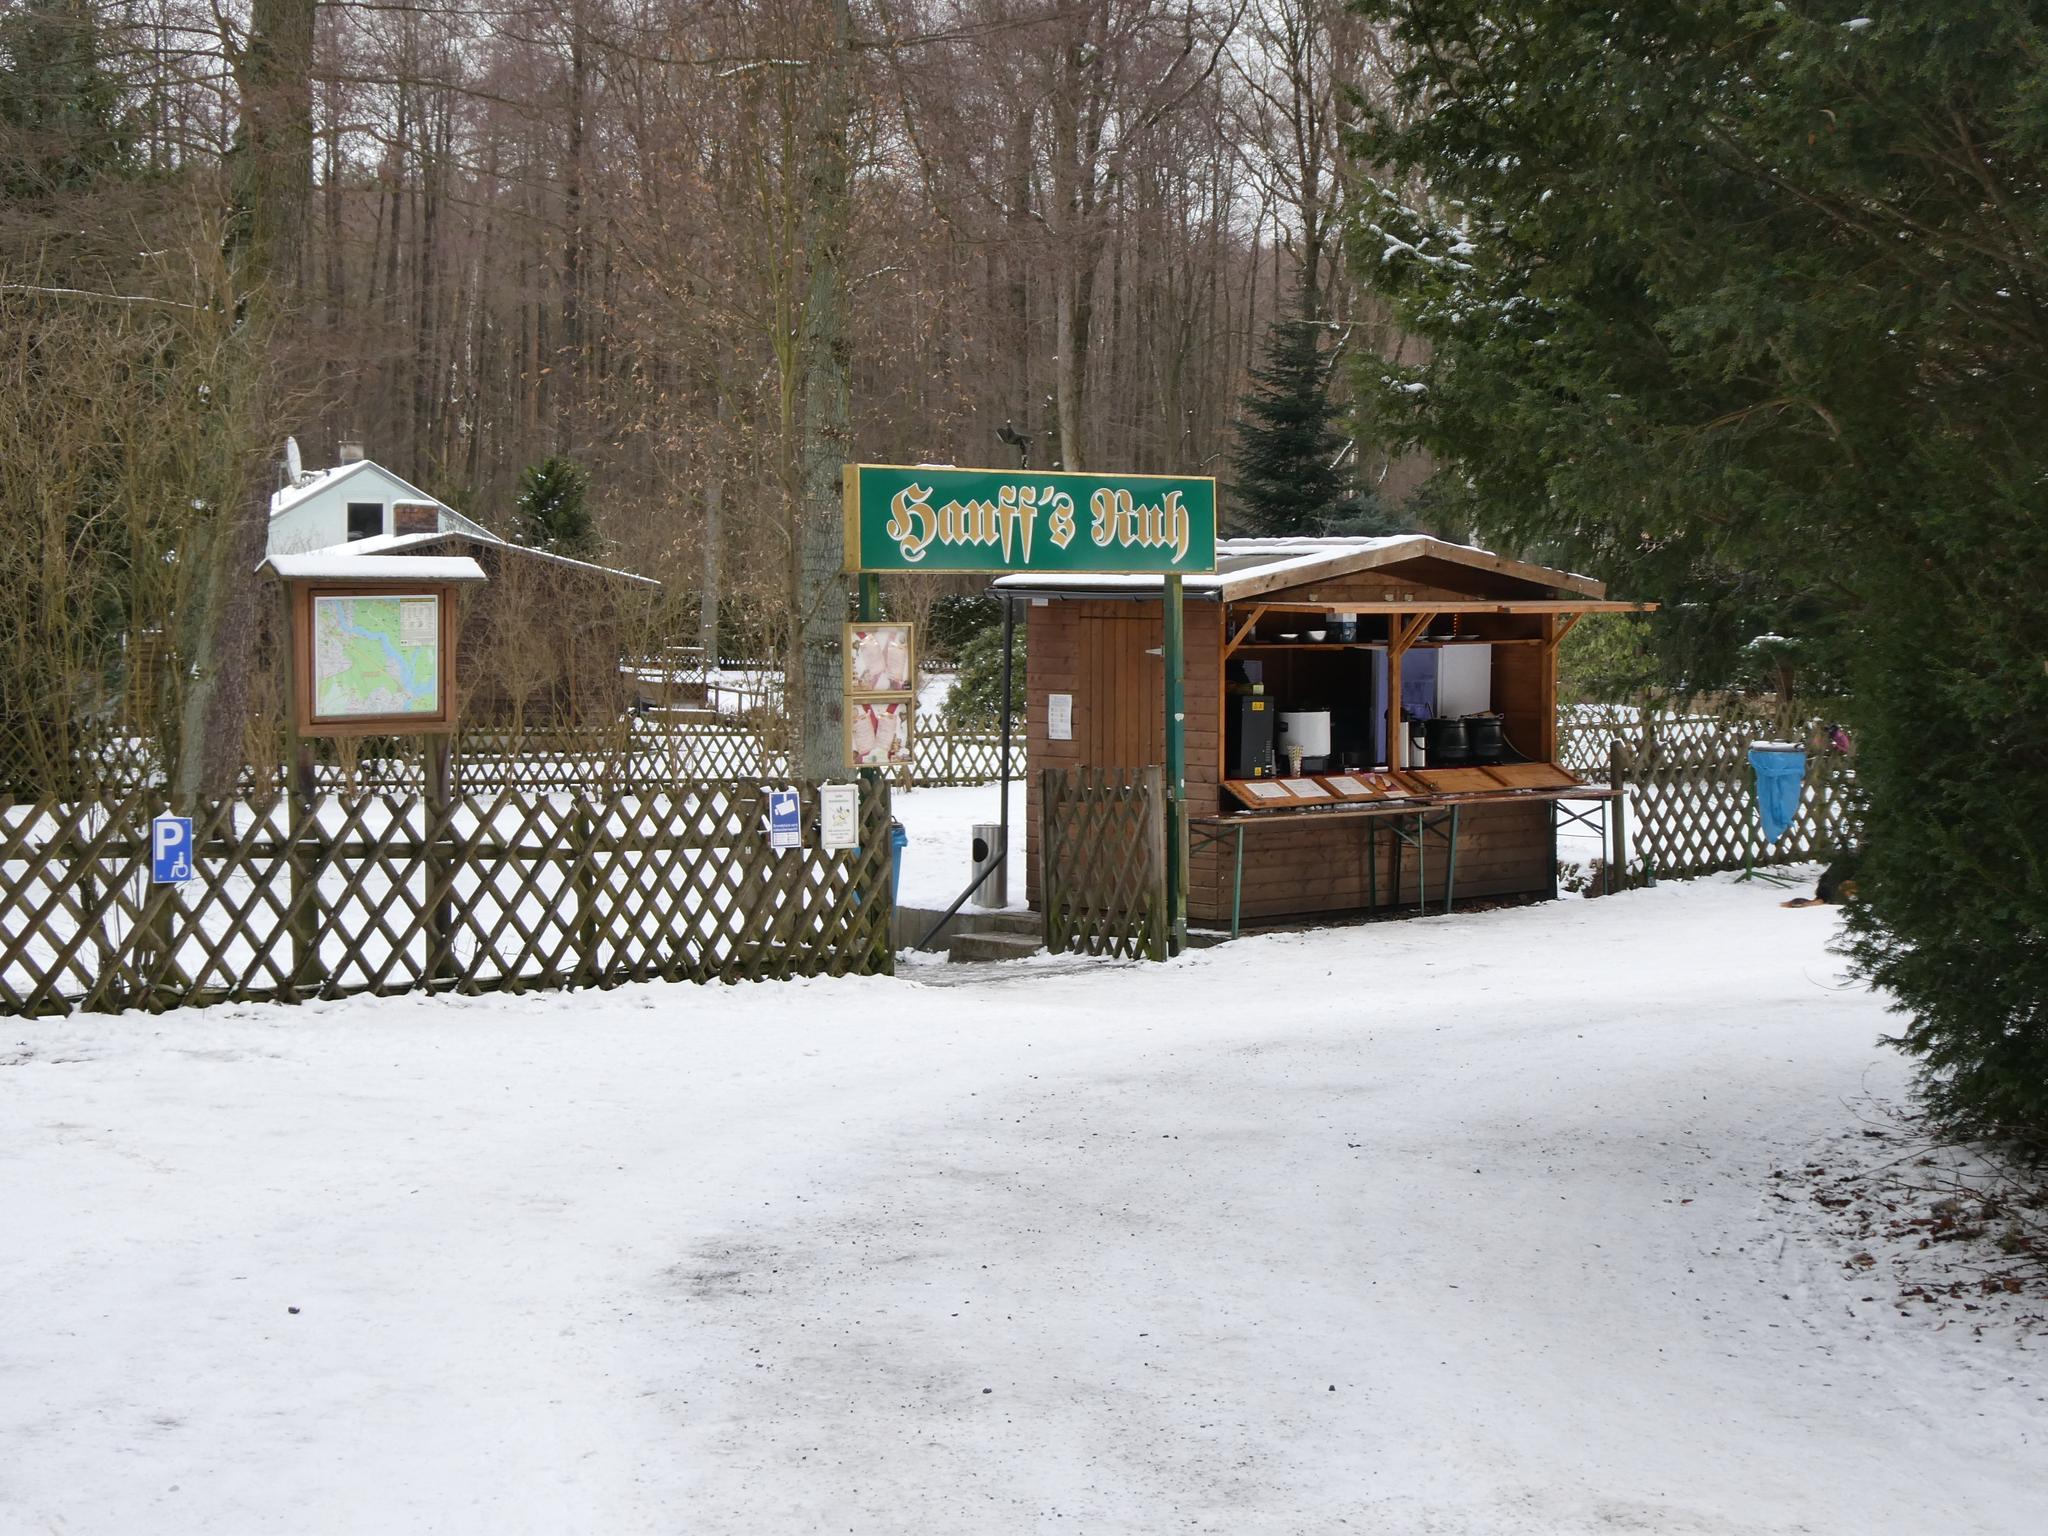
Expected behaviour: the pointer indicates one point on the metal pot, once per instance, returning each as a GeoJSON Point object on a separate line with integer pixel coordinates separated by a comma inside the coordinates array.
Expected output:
{"type": "Point", "coordinates": [1446, 741]}
{"type": "Point", "coordinates": [1483, 738]}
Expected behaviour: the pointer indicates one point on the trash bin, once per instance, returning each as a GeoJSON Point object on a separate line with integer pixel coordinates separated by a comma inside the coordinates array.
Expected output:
{"type": "Point", "coordinates": [898, 841]}
{"type": "Point", "coordinates": [1780, 768]}
{"type": "Point", "coordinates": [988, 844]}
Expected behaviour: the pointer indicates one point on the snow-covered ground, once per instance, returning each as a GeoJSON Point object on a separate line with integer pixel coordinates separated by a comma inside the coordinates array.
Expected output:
{"type": "Point", "coordinates": [1456, 1225]}
{"type": "Point", "coordinates": [938, 860]}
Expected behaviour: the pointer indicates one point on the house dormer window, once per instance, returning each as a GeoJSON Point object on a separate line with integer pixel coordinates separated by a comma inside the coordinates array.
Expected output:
{"type": "Point", "coordinates": [365, 519]}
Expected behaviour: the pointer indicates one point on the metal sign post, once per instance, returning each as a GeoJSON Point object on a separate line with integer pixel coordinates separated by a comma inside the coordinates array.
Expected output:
{"type": "Point", "coordinates": [1172, 651]}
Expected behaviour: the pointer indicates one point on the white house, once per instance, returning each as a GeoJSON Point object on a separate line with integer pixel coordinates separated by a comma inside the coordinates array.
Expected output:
{"type": "Point", "coordinates": [354, 501]}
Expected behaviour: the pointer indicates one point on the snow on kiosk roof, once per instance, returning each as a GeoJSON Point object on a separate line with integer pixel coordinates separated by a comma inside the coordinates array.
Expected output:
{"type": "Point", "coordinates": [1253, 567]}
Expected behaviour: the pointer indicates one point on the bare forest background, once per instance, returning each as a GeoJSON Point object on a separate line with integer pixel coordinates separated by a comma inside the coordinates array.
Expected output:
{"type": "Point", "coordinates": [707, 251]}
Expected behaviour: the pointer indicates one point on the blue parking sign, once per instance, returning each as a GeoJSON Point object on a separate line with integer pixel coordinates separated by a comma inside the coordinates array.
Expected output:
{"type": "Point", "coordinates": [785, 819]}
{"type": "Point", "coordinates": [170, 850]}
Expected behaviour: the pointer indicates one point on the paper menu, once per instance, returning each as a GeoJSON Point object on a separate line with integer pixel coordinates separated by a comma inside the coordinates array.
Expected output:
{"type": "Point", "coordinates": [1344, 784]}
{"type": "Point", "coordinates": [1265, 789]}
{"type": "Point", "coordinates": [1059, 717]}
{"type": "Point", "coordinates": [1305, 789]}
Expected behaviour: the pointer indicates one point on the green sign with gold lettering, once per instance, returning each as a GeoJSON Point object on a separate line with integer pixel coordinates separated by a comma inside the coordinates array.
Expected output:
{"type": "Point", "coordinates": [924, 519]}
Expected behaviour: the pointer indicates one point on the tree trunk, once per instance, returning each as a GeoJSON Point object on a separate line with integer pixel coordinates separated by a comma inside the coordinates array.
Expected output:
{"type": "Point", "coordinates": [570, 367]}
{"type": "Point", "coordinates": [271, 178]}
{"type": "Point", "coordinates": [710, 590]}
{"type": "Point", "coordinates": [825, 359]}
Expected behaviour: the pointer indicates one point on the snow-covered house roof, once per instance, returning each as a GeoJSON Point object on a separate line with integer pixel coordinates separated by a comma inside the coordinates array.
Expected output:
{"type": "Point", "coordinates": [324, 482]}
{"type": "Point", "coordinates": [1249, 568]}
{"type": "Point", "coordinates": [403, 543]}
{"type": "Point", "coordinates": [363, 509]}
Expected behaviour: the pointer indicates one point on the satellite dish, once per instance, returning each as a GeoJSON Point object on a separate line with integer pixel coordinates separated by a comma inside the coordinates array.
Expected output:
{"type": "Point", "coordinates": [293, 464]}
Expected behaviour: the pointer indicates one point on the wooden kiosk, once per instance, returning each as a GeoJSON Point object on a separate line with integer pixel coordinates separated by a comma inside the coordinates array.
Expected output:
{"type": "Point", "coordinates": [1341, 633]}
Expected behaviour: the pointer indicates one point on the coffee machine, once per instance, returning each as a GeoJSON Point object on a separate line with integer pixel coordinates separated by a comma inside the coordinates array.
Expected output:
{"type": "Point", "coordinates": [1251, 735]}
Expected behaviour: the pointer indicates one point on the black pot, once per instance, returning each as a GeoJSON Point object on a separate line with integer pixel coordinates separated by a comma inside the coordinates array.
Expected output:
{"type": "Point", "coordinates": [1446, 741]}
{"type": "Point", "coordinates": [1483, 738]}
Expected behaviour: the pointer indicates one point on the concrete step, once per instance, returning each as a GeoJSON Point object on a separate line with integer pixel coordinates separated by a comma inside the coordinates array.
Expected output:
{"type": "Point", "coordinates": [1029, 924]}
{"type": "Point", "coordinates": [913, 923]}
{"type": "Point", "coordinates": [968, 947]}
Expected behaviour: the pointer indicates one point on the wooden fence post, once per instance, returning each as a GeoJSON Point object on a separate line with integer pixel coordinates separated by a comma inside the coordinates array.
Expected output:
{"type": "Point", "coordinates": [1617, 829]}
{"type": "Point", "coordinates": [589, 966]}
{"type": "Point", "coordinates": [301, 883]}
{"type": "Point", "coordinates": [1161, 870]}
{"type": "Point", "coordinates": [440, 809]}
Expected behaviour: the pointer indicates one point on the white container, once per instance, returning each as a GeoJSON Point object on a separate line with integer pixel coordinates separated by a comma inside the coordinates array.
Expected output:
{"type": "Point", "coordinates": [1464, 680]}
{"type": "Point", "coordinates": [1306, 729]}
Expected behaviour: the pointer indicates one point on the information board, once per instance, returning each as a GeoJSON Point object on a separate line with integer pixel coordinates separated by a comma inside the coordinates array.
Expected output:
{"type": "Point", "coordinates": [373, 659]}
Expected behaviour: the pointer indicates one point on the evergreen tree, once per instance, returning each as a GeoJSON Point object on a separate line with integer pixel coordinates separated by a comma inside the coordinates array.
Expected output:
{"type": "Point", "coordinates": [1741, 307]}
{"type": "Point", "coordinates": [975, 702]}
{"type": "Point", "coordinates": [1289, 468]}
{"type": "Point", "coordinates": [552, 514]}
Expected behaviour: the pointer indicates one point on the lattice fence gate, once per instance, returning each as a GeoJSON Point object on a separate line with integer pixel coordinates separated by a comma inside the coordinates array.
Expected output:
{"type": "Point", "coordinates": [1103, 843]}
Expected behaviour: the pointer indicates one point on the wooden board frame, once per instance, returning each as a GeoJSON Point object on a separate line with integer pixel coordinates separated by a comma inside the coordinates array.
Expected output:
{"type": "Point", "coordinates": [306, 723]}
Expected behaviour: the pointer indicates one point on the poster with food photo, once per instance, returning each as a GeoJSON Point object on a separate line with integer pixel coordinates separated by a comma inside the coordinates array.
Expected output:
{"type": "Point", "coordinates": [878, 733]}
{"type": "Point", "coordinates": [880, 658]}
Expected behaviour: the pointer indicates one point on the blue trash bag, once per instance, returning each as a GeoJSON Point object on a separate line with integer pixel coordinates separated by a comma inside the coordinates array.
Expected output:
{"type": "Point", "coordinates": [898, 841]}
{"type": "Point", "coordinates": [1780, 774]}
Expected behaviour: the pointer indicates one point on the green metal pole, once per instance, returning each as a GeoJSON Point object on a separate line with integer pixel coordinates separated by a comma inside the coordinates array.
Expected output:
{"type": "Point", "coordinates": [1173, 653]}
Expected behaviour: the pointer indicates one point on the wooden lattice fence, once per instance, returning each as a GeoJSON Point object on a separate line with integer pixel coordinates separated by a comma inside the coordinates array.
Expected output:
{"type": "Point", "coordinates": [964, 757]}
{"type": "Point", "coordinates": [1103, 875]}
{"type": "Point", "coordinates": [386, 893]}
{"type": "Point", "coordinates": [1688, 799]}
{"type": "Point", "coordinates": [637, 757]}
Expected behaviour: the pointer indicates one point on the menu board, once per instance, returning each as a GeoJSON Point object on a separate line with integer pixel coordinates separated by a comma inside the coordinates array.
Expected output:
{"type": "Point", "coordinates": [1305, 789]}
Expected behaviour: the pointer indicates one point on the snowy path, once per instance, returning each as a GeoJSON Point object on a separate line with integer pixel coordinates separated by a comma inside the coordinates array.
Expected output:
{"type": "Point", "coordinates": [1064, 1252]}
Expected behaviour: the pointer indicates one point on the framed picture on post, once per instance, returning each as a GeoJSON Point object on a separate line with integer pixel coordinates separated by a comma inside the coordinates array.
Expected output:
{"type": "Point", "coordinates": [878, 733]}
{"type": "Point", "coordinates": [881, 659]}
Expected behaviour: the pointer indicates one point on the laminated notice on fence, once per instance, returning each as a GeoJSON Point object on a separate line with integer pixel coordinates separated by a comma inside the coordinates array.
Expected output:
{"type": "Point", "coordinates": [785, 819]}
{"type": "Point", "coordinates": [838, 817]}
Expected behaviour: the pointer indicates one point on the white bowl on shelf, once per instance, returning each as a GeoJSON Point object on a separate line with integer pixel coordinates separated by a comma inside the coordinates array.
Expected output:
{"type": "Point", "coordinates": [1291, 637]}
{"type": "Point", "coordinates": [1318, 634]}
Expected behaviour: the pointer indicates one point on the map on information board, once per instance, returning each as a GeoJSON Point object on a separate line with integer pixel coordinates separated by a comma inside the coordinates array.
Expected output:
{"type": "Point", "coordinates": [376, 655]}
